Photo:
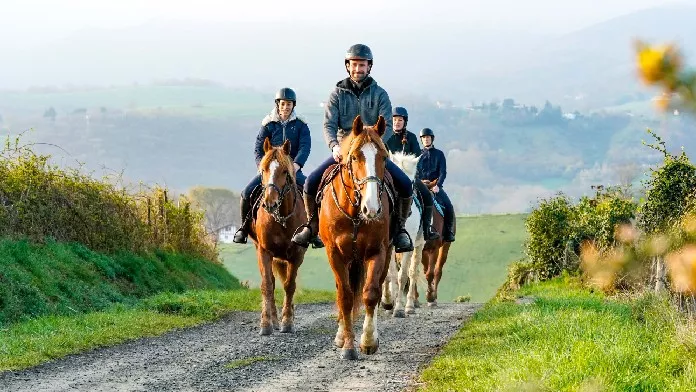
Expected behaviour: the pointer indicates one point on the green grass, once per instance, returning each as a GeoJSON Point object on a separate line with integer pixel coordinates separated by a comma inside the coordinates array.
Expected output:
{"type": "Point", "coordinates": [36, 341]}
{"type": "Point", "coordinates": [476, 266]}
{"type": "Point", "coordinates": [569, 339]}
{"type": "Point", "coordinates": [65, 279]}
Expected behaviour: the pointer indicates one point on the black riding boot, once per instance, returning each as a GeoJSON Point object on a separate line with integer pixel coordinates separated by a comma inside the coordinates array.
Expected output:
{"type": "Point", "coordinates": [309, 232]}
{"type": "Point", "coordinates": [240, 237]}
{"type": "Point", "coordinates": [448, 226]}
{"type": "Point", "coordinates": [429, 233]}
{"type": "Point", "coordinates": [402, 241]}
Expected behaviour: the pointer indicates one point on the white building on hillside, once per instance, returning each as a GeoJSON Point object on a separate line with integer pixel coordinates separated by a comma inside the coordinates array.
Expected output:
{"type": "Point", "coordinates": [226, 233]}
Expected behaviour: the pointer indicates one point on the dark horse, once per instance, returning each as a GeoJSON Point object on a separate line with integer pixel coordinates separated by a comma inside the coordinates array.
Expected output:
{"type": "Point", "coordinates": [435, 256]}
{"type": "Point", "coordinates": [271, 230]}
{"type": "Point", "coordinates": [354, 225]}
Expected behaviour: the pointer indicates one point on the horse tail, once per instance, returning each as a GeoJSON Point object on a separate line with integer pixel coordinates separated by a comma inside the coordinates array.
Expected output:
{"type": "Point", "coordinates": [356, 276]}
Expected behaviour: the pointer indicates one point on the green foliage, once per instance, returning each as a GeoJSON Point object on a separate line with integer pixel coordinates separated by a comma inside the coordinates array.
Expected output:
{"type": "Point", "coordinates": [550, 227]}
{"type": "Point", "coordinates": [568, 339]}
{"type": "Point", "coordinates": [58, 278]}
{"type": "Point", "coordinates": [670, 191]}
{"type": "Point", "coordinates": [39, 200]}
{"type": "Point", "coordinates": [557, 228]}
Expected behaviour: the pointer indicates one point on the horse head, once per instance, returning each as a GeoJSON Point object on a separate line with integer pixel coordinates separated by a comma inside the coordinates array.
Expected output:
{"type": "Point", "coordinates": [365, 155]}
{"type": "Point", "coordinates": [277, 174]}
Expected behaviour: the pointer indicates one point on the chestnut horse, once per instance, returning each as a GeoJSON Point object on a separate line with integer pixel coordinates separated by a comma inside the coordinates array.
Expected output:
{"type": "Point", "coordinates": [435, 255]}
{"type": "Point", "coordinates": [271, 230]}
{"type": "Point", "coordinates": [354, 225]}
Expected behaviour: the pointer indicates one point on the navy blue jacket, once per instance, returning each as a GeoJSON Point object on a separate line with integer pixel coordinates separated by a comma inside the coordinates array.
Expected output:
{"type": "Point", "coordinates": [295, 130]}
{"type": "Point", "coordinates": [432, 165]}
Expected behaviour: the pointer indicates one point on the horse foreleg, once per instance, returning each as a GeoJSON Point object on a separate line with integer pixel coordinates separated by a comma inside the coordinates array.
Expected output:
{"type": "Point", "coordinates": [267, 286]}
{"type": "Point", "coordinates": [413, 278]}
{"type": "Point", "coordinates": [429, 269]}
{"type": "Point", "coordinates": [289, 285]}
{"type": "Point", "coordinates": [345, 337]}
{"type": "Point", "coordinates": [400, 284]}
{"type": "Point", "coordinates": [389, 284]}
{"type": "Point", "coordinates": [439, 266]}
{"type": "Point", "coordinates": [369, 341]}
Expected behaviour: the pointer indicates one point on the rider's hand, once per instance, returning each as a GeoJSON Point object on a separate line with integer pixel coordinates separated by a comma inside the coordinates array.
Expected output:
{"type": "Point", "coordinates": [436, 189]}
{"type": "Point", "coordinates": [336, 152]}
{"type": "Point", "coordinates": [297, 167]}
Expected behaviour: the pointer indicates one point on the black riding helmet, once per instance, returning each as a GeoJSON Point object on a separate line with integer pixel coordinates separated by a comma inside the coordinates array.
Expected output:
{"type": "Point", "coordinates": [359, 52]}
{"type": "Point", "coordinates": [286, 93]}
{"type": "Point", "coordinates": [427, 132]}
{"type": "Point", "coordinates": [400, 112]}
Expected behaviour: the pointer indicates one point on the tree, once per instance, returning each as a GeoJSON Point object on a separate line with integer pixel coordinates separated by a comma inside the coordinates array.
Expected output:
{"type": "Point", "coordinates": [50, 113]}
{"type": "Point", "coordinates": [221, 206]}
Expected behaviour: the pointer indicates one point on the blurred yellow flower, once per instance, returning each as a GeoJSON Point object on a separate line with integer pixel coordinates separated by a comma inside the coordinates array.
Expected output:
{"type": "Point", "coordinates": [655, 63]}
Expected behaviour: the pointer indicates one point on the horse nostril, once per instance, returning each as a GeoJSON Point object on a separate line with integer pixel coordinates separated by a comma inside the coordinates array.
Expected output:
{"type": "Point", "coordinates": [364, 210]}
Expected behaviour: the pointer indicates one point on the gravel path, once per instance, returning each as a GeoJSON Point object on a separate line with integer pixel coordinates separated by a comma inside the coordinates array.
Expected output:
{"type": "Point", "coordinates": [208, 357]}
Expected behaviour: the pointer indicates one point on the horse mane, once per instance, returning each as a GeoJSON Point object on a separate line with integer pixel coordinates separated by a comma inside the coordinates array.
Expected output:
{"type": "Point", "coordinates": [353, 143]}
{"type": "Point", "coordinates": [406, 162]}
{"type": "Point", "coordinates": [277, 154]}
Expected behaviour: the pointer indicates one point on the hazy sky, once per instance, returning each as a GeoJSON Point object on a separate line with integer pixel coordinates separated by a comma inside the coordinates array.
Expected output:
{"type": "Point", "coordinates": [38, 21]}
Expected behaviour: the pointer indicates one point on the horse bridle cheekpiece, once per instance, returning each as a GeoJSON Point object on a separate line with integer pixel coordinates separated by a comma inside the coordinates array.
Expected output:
{"type": "Point", "coordinates": [275, 210]}
{"type": "Point", "coordinates": [359, 184]}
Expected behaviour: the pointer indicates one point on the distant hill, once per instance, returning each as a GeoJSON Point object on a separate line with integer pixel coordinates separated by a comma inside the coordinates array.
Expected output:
{"type": "Point", "coordinates": [590, 68]}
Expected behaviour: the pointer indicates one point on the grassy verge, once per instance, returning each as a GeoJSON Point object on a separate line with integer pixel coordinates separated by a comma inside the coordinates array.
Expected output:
{"type": "Point", "coordinates": [569, 339]}
{"type": "Point", "coordinates": [67, 279]}
{"type": "Point", "coordinates": [39, 340]}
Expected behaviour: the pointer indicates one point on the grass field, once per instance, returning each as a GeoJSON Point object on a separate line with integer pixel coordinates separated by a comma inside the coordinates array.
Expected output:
{"type": "Point", "coordinates": [568, 338]}
{"type": "Point", "coordinates": [476, 266]}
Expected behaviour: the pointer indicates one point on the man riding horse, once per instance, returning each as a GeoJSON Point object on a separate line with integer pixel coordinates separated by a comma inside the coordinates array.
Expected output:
{"type": "Point", "coordinates": [406, 142]}
{"type": "Point", "coordinates": [356, 95]}
{"type": "Point", "coordinates": [281, 124]}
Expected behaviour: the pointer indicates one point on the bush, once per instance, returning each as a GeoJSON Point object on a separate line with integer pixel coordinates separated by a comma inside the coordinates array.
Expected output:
{"type": "Point", "coordinates": [557, 229]}
{"type": "Point", "coordinates": [40, 200]}
{"type": "Point", "coordinates": [550, 227]}
{"type": "Point", "coordinates": [670, 191]}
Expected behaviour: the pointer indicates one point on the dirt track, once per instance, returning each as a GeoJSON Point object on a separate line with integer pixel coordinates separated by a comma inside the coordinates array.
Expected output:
{"type": "Point", "coordinates": [195, 359]}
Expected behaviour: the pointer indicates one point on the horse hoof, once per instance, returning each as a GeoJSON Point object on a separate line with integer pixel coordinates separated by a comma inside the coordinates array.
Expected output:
{"type": "Point", "coordinates": [399, 313]}
{"type": "Point", "coordinates": [350, 354]}
{"type": "Point", "coordinates": [287, 328]}
{"type": "Point", "coordinates": [266, 330]}
{"type": "Point", "coordinates": [410, 311]}
{"type": "Point", "coordinates": [432, 304]}
{"type": "Point", "coordinates": [387, 306]}
{"type": "Point", "coordinates": [369, 350]}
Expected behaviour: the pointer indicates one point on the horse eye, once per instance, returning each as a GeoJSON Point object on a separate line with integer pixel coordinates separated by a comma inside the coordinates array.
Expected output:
{"type": "Point", "coordinates": [353, 157]}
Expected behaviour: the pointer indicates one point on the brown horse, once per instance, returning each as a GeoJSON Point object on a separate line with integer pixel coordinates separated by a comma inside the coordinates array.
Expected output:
{"type": "Point", "coordinates": [271, 230]}
{"type": "Point", "coordinates": [435, 256]}
{"type": "Point", "coordinates": [354, 225]}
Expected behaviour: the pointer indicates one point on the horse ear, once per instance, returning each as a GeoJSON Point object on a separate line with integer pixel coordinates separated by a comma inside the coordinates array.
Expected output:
{"type": "Point", "coordinates": [267, 145]}
{"type": "Point", "coordinates": [381, 126]}
{"type": "Point", "coordinates": [286, 147]}
{"type": "Point", "coordinates": [357, 125]}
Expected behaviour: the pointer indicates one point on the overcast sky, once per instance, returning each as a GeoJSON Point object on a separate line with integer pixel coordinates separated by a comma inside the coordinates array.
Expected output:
{"type": "Point", "coordinates": [38, 21]}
